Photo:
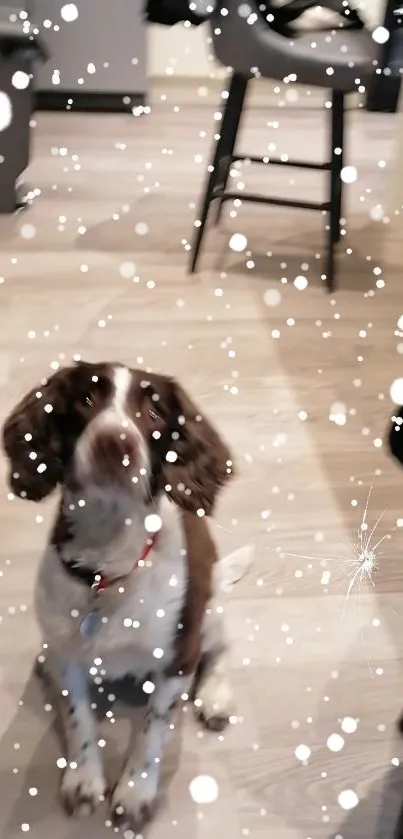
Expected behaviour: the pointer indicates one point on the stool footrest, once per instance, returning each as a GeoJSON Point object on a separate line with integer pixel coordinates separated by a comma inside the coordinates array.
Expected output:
{"type": "Point", "coordinates": [276, 202]}
{"type": "Point", "coordinates": [276, 161]}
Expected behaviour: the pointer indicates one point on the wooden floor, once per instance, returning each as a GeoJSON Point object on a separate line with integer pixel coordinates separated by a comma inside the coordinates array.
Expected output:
{"type": "Point", "coordinates": [98, 267]}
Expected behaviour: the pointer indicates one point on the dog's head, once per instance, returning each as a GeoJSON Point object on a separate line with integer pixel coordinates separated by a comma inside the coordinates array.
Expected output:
{"type": "Point", "coordinates": [108, 425]}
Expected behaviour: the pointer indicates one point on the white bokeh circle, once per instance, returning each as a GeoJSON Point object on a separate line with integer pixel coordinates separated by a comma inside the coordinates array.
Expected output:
{"type": "Point", "coordinates": [348, 799]}
{"type": "Point", "coordinates": [204, 789]}
{"type": "Point", "coordinates": [238, 242]}
{"type": "Point", "coordinates": [348, 174]}
{"type": "Point", "coordinates": [380, 35]}
{"type": "Point", "coordinates": [27, 231]}
{"type": "Point", "coordinates": [127, 270]}
{"type": "Point", "coordinates": [349, 725]}
{"type": "Point", "coordinates": [6, 111]}
{"type": "Point", "coordinates": [302, 752]}
{"type": "Point", "coordinates": [335, 743]}
{"type": "Point", "coordinates": [300, 282]}
{"type": "Point", "coordinates": [153, 523]}
{"type": "Point", "coordinates": [272, 297]}
{"type": "Point", "coordinates": [396, 392]}
{"type": "Point", "coordinates": [141, 228]}
{"type": "Point", "coordinates": [69, 12]}
{"type": "Point", "coordinates": [20, 80]}
{"type": "Point", "coordinates": [377, 212]}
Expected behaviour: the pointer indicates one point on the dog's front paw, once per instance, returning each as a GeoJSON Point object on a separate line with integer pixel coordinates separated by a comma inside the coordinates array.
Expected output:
{"type": "Point", "coordinates": [82, 789]}
{"type": "Point", "coordinates": [214, 702]}
{"type": "Point", "coordinates": [134, 799]}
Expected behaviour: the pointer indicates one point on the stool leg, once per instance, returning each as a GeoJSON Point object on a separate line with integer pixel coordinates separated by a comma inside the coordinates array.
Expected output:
{"type": "Point", "coordinates": [336, 165]}
{"type": "Point", "coordinates": [338, 159]}
{"type": "Point", "coordinates": [237, 91]}
{"type": "Point", "coordinates": [222, 156]}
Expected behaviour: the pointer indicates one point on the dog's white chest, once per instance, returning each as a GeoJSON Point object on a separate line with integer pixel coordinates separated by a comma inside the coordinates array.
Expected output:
{"type": "Point", "coordinates": [131, 626]}
{"type": "Point", "coordinates": [135, 629]}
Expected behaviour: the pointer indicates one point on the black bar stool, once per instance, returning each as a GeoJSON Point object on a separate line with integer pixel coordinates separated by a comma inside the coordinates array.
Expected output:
{"type": "Point", "coordinates": [340, 59]}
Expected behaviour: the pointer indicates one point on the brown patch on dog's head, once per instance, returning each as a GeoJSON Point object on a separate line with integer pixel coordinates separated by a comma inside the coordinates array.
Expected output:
{"type": "Point", "coordinates": [187, 457]}
{"type": "Point", "coordinates": [197, 462]}
{"type": "Point", "coordinates": [40, 432]}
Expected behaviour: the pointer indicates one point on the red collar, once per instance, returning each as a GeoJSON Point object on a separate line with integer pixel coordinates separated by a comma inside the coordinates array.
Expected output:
{"type": "Point", "coordinates": [101, 583]}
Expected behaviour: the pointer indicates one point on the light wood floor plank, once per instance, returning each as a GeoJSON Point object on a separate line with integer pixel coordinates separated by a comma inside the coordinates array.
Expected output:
{"type": "Point", "coordinates": [303, 659]}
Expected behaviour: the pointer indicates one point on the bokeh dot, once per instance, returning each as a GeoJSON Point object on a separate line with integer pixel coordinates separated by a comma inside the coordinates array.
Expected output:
{"type": "Point", "coordinates": [204, 789]}
{"type": "Point", "coordinates": [69, 12]}
{"type": "Point", "coordinates": [300, 282]}
{"type": "Point", "coordinates": [396, 392]}
{"type": "Point", "coordinates": [272, 297]}
{"type": "Point", "coordinates": [238, 242]}
{"type": "Point", "coordinates": [141, 228]}
{"type": "Point", "coordinates": [349, 725]}
{"type": "Point", "coordinates": [20, 80]}
{"type": "Point", "coordinates": [380, 35]}
{"type": "Point", "coordinates": [6, 111]}
{"type": "Point", "coordinates": [302, 752]}
{"type": "Point", "coordinates": [348, 174]}
{"type": "Point", "coordinates": [127, 270]}
{"type": "Point", "coordinates": [27, 231]}
{"type": "Point", "coordinates": [335, 743]}
{"type": "Point", "coordinates": [348, 799]}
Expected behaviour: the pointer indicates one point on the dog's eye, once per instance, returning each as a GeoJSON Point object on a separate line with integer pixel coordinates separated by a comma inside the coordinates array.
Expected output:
{"type": "Point", "coordinates": [155, 421]}
{"type": "Point", "coordinates": [156, 418]}
{"type": "Point", "coordinates": [94, 391]}
{"type": "Point", "coordinates": [88, 399]}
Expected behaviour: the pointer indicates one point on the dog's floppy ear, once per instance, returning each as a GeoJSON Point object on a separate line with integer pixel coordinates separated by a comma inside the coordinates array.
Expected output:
{"type": "Point", "coordinates": [197, 463]}
{"type": "Point", "coordinates": [32, 442]}
{"type": "Point", "coordinates": [395, 435]}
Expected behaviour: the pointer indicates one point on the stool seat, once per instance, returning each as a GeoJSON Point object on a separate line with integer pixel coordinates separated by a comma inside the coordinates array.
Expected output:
{"type": "Point", "coordinates": [350, 53]}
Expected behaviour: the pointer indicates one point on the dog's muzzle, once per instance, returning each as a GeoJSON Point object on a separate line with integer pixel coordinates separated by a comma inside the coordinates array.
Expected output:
{"type": "Point", "coordinates": [110, 451]}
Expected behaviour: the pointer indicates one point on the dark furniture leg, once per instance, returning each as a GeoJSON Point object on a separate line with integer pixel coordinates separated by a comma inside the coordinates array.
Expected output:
{"type": "Point", "coordinates": [237, 94]}
{"type": "Point", "coordinates": [336, 165]}
{"type": "Point", "coordinates": [222, 159]}
{"type": "Point", "coordinates": [224, 155]}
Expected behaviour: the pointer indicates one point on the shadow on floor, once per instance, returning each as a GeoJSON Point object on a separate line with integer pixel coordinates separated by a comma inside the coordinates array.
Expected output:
{"type": "Point", "coordinates": [33, 765]}
{"type": "Point", "coordinates": [380, 814]}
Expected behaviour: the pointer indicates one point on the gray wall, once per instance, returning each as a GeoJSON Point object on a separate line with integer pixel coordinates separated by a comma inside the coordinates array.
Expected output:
{"type": "Point", "coordinates": [14, 5]}
{"type": "Point", "coordinates": [110, 32]}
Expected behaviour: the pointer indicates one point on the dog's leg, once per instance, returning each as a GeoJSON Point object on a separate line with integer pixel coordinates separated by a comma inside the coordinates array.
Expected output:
{"type": "Point", "coordinates": [213, 697]}
{"type": "Point", "coordinates": [83, 784]}
{"type": "Point", "coordinates": [135, 795]}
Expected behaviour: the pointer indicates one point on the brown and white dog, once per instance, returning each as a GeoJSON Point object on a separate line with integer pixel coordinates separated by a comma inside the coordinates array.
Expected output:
{"type": "Point", "coordinates": [125, 586]}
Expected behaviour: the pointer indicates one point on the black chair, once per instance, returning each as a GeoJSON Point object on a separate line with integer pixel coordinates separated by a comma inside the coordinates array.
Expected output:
{"type": "Point", "coordinates": [384, 88]}
{"type": "Point", "coordinates": [19, 48]}
{"type": "Point", "coordinates": [245, 42]}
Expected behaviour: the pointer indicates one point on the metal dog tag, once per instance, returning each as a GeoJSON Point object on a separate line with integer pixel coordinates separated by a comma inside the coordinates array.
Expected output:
{"type": "Point", "coordinates": [90, 624]}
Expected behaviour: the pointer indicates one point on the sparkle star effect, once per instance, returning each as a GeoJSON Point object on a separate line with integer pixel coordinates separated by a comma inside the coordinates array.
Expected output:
{"type": "Point", "coordinates": [365, 561]}
{"type": "Point", "coordinates": [359, 565]}
{"type": "Point", "coordinates": [362, 564]}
